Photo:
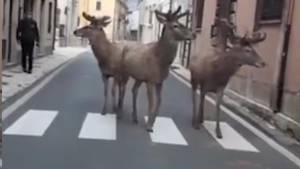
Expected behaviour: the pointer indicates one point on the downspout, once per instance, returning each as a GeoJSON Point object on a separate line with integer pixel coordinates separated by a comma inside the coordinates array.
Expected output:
{"type": "Point", "coordinates": [55, 26]}
{"type": "Point", "coordinates": [10, 31]}
{"type": "Point", "coordinates": [284, 57]}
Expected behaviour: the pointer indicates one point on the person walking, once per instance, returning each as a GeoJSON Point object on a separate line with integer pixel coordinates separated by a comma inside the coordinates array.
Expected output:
{"type": "Point", "coordinates": [27, 35]}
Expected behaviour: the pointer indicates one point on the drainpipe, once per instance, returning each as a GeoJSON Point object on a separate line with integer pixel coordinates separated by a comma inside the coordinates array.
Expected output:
{"type": "Point", "coordinates": [55, 26]}
{"type": "Point", "coordinates": [284, 57]}
{"type": "Point", "coordinates": [10, 31]}
{"type": "Point", "coordinates": [171, 5]}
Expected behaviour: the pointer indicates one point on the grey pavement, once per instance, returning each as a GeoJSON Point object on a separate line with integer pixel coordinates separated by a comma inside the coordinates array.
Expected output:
{"type": "Point", "coordinates": [77, 91]}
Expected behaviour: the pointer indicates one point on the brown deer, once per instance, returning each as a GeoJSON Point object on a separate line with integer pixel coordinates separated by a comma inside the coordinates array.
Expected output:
{"type": "Point", "coordinates": [108, 55]}
{"type": "Point", "coordinates": [150, 63]}
{"type": "Point", "coordinates": [213, 72]}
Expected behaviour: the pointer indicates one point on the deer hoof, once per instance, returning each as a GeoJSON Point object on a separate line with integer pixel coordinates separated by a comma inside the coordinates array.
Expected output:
{"type": "Point", "coordinates": [197, 127]}
{"type": "Point", "coordinates": [115, 109]}
{"type": "Point", "coordinates": [149, 130]}
{"type": "Point", "coordinates": [219, 134]}
{"type": "Point", "coordinates": [119, 117]}
{"type": "Point", "coordinates": [135, 121]}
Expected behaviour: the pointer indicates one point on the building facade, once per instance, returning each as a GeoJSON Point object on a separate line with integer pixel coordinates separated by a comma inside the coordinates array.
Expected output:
{"type": "Point", "coordinates": [1, 24]}
{"type": "Point", "coordinates": [44, 14]}
{"type": "Point", "coordinates": [133, 20]}
{"type": "Point", "coordinates": [275, 89]}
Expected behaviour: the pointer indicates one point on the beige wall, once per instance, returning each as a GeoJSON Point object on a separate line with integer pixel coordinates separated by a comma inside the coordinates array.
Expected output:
{"type": "Point", "coordinates": [201, 45]}
{"type": "Point", "coordinates": [1, 20]}
{"type": "Point", "coordinates": [107, 8]}
{"type": "Point", "coordinates": [253, 83]}
{"type": "Point", "coordinates": [292, 81]}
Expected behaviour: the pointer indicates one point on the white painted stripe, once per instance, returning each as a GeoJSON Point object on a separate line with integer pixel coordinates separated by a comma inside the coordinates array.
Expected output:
{"type": "Point", "coordinates": [282, 150]}
{"type": "Point", "coordinates": [231, 140]}
{"type": "Point", "coordinates": [99, 127]}
{"type": "Point", "coordinates": [165, 131]}
{"type": "Point", "coordinates": [32, 123]}
{"type": "Point", "coordinates": [13, 107]}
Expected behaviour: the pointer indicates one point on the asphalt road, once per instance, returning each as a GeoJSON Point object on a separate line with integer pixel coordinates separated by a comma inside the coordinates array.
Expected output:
{"type": "Point", "coordinates": [61, 128]}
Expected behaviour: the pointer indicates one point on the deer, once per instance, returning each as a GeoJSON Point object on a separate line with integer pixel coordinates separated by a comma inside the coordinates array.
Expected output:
{"type": "Point", "coordinates": [108, 56]}
{"type": "Point", "coordinates": [150, 63]}
{"type": "Point", "coordinates": [212, 72]}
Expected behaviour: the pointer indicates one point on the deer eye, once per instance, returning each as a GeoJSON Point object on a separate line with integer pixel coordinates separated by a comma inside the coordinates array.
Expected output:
{"type": "Point", "coordinates": [175, 26]}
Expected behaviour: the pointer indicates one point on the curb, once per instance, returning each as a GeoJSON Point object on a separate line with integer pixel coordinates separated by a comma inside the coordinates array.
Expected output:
{"type": "Point", "coordinates": [11, 99]}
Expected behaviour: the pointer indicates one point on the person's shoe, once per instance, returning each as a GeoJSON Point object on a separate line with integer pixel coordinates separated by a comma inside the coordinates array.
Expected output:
{"type": "Point", "coordinates": [29, 71]}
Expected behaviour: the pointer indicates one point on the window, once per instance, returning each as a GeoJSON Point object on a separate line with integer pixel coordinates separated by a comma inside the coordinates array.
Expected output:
{"type": "Point", "coordinates": [269, 11]}
{"type": "Point", "coordinates": [98, 6]}
{"type": "Point", "coordinates": [50, 17]}
{"type": "Point", "coordinates": [150, 17]}
{"type": "Point", "coordinates": [61, 30]}
{"type": "Point", "coordinates": [199, 13]}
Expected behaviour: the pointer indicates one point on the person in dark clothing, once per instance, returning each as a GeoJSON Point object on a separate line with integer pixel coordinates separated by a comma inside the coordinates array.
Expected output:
{"type": "Point", "coordinates": [27, 35]}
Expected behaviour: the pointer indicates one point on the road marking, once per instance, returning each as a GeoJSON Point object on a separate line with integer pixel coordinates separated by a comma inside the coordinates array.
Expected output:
{"type": "Point", "coordinates": [282, 150]}
{"type": "Point", "coordinates": [231, 140]}
{"type": "Point", "coordinates": [9, 110]}
{"type": "Point", "coordinates": [32, 123]}
{"type": "Point", "coordinates": [99, 127]}
{"type": "Point", "coordinates": [166, 132]}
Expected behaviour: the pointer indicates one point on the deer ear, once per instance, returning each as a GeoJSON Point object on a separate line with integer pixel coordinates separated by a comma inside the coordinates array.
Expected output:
{"type": "Point", "coordinates": [160, 17]}
{"type": "Point", "coordinates": [106, 23]}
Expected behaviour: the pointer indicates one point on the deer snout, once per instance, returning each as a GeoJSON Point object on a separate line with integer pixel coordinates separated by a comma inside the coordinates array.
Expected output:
{"type": "Point", "coordinates": [261, 64]}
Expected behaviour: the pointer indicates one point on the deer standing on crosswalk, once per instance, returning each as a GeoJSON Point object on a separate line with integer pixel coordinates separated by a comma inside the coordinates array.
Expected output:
{"type": "Point", "coordinates": [108, 55]}
{"type": "Point", "coordinates": [150, 63]}
{"type": "Point", "coordinates": [212, 73]}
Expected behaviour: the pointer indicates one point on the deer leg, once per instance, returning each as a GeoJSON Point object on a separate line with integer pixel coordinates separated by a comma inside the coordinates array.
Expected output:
{"type": "Point", "coordinates": [105, 81]}
{"type": "Point", "coordinates": [201, 109]}
{"type": "Point", "coordinates": [220, 95]}
{"type": "Point", "coordinates": [113, 93]}
{"type": "Point", "coordinates": [150, 107]}
{"type": "Point", "coordinates": [122, 91]}
{"type": "Point", "coordinates": [135, 90]}
{"type": "Point", "coordinates": [158, 89]}
{"type": "Point", "coordinates": [194, 99]}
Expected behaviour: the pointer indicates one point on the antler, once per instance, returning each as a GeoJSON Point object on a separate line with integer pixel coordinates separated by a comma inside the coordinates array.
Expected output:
{"type": "Point", "coordinates": [171, 16]}
{"type": "Point", "coordinates": [105, 20]}
{"type": "Point", "coordinates": [102, 21]}
{"type": "Point", "coordinates": [176, 12]}
{"type": "Point", "coordinates": [183, 14]}
{"type": "Point", "coordinates": [88, 17]}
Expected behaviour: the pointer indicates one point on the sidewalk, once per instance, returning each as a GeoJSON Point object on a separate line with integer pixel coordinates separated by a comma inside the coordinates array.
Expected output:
{"type": "Point", "coordinates": [250, 116]}
{"type": "Point", "coordinates": [14, 80]}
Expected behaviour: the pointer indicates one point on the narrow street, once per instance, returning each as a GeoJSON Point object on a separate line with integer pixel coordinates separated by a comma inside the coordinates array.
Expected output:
{"type": "Point", "coordinates": [61, 128]}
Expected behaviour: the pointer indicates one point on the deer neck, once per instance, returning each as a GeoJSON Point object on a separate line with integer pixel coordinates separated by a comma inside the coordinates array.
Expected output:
{"type": "Point", "coordinates": [166, 48]}
{"type": "Point", "coordinates": [101, 45]}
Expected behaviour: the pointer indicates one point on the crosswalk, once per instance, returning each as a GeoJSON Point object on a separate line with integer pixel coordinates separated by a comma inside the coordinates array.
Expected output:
{"type": "Point", "coordinates": [95, 126]}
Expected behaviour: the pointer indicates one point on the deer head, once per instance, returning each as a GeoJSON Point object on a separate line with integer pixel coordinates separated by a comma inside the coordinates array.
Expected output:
{"type": "Point", "coordinates": [173, 26]}
{"type": "Point", "coordinates": [88, 31]}
{"type": "Point", "coordinates": [244, 51]}
{"type": "Point", "coordinates": [94, 28]}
